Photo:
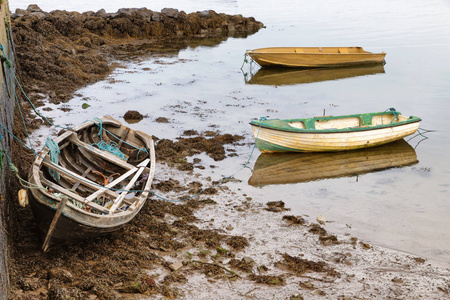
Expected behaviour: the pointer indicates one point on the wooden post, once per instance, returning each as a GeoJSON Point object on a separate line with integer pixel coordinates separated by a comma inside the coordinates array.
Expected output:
{"type": "Point", "coordinates": [53, 224]}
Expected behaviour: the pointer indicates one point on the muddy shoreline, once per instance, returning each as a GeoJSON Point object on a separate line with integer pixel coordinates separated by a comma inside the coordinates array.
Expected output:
{"type": "Point", "coordinates": [212, 247]}
{"type": "Point", "coordinates": [59, 51]}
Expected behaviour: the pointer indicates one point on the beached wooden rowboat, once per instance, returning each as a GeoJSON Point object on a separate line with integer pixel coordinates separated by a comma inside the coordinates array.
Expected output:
{"type": "Point", "coordinates": [314, 57]}
{"type": "Point", "coordinates": [91, 180]}
{"type": "Point", "coordinates": [332, 133]}
{"type": "Point", "coordinates": [288, 168]}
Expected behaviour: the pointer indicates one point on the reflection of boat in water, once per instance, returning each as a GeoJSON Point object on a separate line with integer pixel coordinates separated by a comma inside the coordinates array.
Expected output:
{"type": "Point", "coordinates": [283, 76]}
{"type": "Point", "coordinates": [287, 168]}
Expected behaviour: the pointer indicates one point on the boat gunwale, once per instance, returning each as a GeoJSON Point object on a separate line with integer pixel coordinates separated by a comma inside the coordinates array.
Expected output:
{"type": "Point", "coordinates": [255, 51]}
{"type": "Point", "coordinates": [321, 54]}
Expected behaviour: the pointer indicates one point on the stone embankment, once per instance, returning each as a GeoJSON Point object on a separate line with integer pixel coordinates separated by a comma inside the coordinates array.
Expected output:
{"type": "Point", "coordinates": [61, 51]}
{"type": "Point", "coordinates": [7, 105]}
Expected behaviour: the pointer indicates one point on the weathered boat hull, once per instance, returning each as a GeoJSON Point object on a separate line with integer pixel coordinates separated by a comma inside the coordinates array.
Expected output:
{"type": "Point", "coordinates": [287, 168]}
{"type": "Point", "coordinates": [314, 57]}
{"type": "Point", "coordinates": [329, 134]}
{"type": "Point", "coordinates": [69, 227]}
{"type": "Point", "coordinates": [92, 209]}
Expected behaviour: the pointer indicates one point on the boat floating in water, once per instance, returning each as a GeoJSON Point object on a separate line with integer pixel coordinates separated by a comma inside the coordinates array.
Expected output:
{"type": "Point", "coordinates": [332, 133]}
{"type": "Point", "coordinates": [91, 180]}
{"type": "Point", "coordinates": [314, 57]}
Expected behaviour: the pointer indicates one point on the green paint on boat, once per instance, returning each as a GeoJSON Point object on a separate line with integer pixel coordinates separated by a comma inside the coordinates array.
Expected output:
{"type": "Point", "coordinates": [265, 147]}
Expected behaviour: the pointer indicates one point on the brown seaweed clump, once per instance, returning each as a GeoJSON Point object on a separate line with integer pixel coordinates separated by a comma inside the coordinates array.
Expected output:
{"type": "Point", "coordinates": [294, 220]}
{"type": "Point", "coordinates": [276, 206]}
{"type": "Point", "coordinates": [299, 265]}
{"type": "Point", "coordinates": [268, 279]}
{"type": "Point", "coordinates": [244, 264]}
{"type": "Point", "coordinates": [174, 152]}
{"type": "Point", "coordinates": [324, 238]}
{"type": "Point", "coordinates": [133, 115]}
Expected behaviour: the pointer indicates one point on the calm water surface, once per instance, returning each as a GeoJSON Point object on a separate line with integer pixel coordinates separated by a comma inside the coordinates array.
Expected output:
{"type": "Point", "coordinates": [203, 88]}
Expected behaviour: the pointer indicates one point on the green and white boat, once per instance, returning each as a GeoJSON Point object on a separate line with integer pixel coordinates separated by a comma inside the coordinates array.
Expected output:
{"type": "Point", "coordinates": [332, 133]}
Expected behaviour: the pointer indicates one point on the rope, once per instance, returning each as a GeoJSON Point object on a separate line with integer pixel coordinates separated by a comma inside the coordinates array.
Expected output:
{"type": "Point", "coordinates": [54, 156]}
{"type": "Point", "coordinates": [112, 146]}
{"type": "Point", "coordinates": [424, 137]}
{"type": "Point", "coordinates": [4, 59]}
{"type": "Point", "coordinates": [23, 182]}
{"type": "Point", "coordinates": [245, 59]}
{"type": "Point", "coordinates": [394, 112]}
{"type": "Point", "coordinates": [250, 73]}
{"type": "Point", "coordinates": [2, 154]}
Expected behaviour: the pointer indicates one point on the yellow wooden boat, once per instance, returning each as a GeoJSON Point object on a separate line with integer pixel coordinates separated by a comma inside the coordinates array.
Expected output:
{"type": "Point", "coordinates": [291, 76]}
{"type": "Point", "coordinates": [288, 168]}
{"type": "Point", "coordinates": [314, 57]}
{"type": "Point", "coordinates": [332, 133]}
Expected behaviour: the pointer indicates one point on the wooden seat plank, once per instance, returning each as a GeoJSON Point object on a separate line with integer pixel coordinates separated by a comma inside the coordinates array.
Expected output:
{"type": "Point", "coordinates": [73, 195]}
{"type": "Point", "coordinates": [118, 180]}
{"type": "Point", "coordinates": [130, 184]}
{"type": "Point", "coordinates": [75, 186]}
{"type": "Point", "coordinates": [103, 154]}
{"type": "Point", "coordinates": [75, 177]}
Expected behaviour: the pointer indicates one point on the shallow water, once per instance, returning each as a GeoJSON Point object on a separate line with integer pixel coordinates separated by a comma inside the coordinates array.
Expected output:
{"type": "Point", "coordinates": [203, 88]}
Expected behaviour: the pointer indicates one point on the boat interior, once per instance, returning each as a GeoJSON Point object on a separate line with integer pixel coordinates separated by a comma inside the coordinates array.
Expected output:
{"type": "Point", "coordinates": [367, 120]}
{"type": "Point", "coordinates": [86, 172]}
{"type": "Point", "coordinates": [313, 50]}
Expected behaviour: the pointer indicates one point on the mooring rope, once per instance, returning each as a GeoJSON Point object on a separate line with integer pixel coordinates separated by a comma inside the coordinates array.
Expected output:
{"type": "Point", "coordinates": [15, 171]}
{"type": "Point", "coordinates": [424, 137]}
{"type": "Point", "coordinates": [245, 59]}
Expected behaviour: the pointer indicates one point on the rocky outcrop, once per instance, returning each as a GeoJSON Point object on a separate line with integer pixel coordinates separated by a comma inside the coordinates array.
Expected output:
{"type": "Point", "coordinates": [136, 23]}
